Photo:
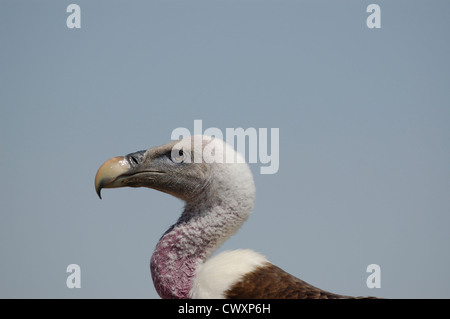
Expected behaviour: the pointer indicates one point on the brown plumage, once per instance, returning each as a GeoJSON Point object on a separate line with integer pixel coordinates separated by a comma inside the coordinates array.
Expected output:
{"type": "Point", "coordinates": [272, 282]}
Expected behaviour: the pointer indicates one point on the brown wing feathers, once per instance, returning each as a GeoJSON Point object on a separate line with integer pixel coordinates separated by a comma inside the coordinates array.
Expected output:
{"type": "Point", "coordinates": [271, 282]}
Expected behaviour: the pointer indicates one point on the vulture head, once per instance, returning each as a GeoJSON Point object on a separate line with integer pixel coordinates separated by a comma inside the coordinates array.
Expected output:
{"type": "Point", "coordinates": [196, 169]}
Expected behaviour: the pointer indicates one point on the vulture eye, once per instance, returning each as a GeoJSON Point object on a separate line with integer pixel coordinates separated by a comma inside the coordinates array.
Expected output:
{"type": "Point", "coordinates": [178, 156]}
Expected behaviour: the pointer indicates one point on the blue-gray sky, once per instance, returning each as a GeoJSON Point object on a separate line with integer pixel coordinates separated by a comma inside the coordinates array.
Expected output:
{"type": "Point", "coordinates": [363, 116]}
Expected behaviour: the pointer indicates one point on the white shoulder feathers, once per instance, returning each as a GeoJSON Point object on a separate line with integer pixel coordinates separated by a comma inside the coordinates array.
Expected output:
{"type": "Point", "coordinates": [220, 273]}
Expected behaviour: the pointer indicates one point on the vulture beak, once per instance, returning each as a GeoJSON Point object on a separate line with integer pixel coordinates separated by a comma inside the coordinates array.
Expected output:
{"type": "Point", "coordinates": [117, 171]}
{"type": "Point", "coordinates": [108, 173]}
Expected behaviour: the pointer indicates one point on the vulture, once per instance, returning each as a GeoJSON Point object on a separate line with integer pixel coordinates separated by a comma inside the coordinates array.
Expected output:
{"type": "Point", "coordinates": [218, 189]}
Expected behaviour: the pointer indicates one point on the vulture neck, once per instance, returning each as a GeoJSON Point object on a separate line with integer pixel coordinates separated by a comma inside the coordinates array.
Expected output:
{"type": "Point", "coordinates": [203, 226]}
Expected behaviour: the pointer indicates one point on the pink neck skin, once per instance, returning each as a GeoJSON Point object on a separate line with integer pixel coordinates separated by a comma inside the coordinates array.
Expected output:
{"type": "Point", "coordinates": [171, 273]}
{"type": "Point", "coordinates": [176, 257]}
{"type": "Point", "coordinates": [186, 246]}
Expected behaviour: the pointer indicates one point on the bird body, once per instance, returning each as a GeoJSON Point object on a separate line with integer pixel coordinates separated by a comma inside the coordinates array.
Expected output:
{"type": "Point", "coordinates": [219, 196]}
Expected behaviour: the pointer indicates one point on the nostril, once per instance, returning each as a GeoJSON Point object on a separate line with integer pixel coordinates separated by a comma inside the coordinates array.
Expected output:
{"type": "Point", "coordinates": [136, 158]}
{"type": "Point", "coordinates": [135, 161]}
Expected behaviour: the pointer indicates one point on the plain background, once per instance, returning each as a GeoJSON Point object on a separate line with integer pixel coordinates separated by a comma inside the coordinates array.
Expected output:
{"type": "Point", "coordinates": [364, 128]}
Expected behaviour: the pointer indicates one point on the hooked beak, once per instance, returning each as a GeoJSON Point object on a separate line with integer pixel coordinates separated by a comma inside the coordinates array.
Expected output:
{"type": "Point", "coordinates": [119, 172]}
{"type": "Point", "coordinates": [108, 173]}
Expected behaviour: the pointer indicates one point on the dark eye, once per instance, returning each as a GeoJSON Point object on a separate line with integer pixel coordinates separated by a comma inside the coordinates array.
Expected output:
{"type": "Point", "coordinates": [177, 156]}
